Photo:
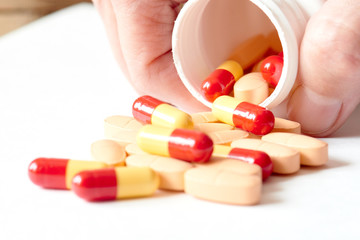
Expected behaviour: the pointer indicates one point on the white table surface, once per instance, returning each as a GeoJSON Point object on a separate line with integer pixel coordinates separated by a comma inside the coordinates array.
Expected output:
{"type": "Point", "coordinates": [59, 80]}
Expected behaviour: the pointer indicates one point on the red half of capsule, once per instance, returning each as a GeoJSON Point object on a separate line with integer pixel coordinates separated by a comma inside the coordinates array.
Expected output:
{"type": "Point", "coordinates": [253, 157]}
{"type": "Point", "coordinates": [190, 145]}
{"type": "Point", "coordinates": [143, 108]}
{"type": "Point", "coordinates": [253, 118]}
{"type": "Point", "coordinates": [48, 172]}
{"type": "Point", "coordinates": [96, 185]}
{"type": "Point", "coordinates": [220, 82]}
{"type": "Point", "coordinates": [271, 69]}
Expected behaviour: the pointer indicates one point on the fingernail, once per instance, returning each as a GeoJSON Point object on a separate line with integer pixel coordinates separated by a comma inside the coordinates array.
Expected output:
{"type": "Point", "coordinates": [315, 113]}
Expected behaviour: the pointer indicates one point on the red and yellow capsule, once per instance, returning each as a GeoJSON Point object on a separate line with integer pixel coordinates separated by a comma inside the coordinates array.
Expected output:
{"type": "Point", "coordinates": [115, 183]}
{"type": "Point", "coordinates": [57, 173]}
{"type": "Point", "coordinates": [183, 144]}
{"type": "Point", "coordinates": [246, 155]}
{"type": "Point", "coordinates": [149, 110]}
{"type": "Point", "coordinates": [244, 115]}
{"type": "Point", "coordinates": [221, 81]}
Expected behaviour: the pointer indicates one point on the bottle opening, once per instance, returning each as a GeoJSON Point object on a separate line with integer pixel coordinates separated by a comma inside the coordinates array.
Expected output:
{"type": "Point", "coordinates": [207, 32]}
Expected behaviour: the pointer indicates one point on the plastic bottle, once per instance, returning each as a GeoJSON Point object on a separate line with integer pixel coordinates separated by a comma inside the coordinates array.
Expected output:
{"type": "Point", "coordinates": [206, 31]}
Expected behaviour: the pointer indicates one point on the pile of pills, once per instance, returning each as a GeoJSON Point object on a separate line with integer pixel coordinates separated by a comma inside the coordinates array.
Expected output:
{"type": "Point", "coordinates": [261, 58]}
{"type": "Point", "coordinates": [223, 156]}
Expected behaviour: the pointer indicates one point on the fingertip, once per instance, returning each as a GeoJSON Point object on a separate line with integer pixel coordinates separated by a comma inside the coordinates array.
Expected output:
{"type": "Point", "coordinates": [317, 114]}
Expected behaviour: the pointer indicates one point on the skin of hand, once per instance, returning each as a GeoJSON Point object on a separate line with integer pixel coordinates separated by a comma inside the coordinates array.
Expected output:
{"type": "Point", "coordinates": [140, 32]}
{"type": "Point", "coordinates": [329, 70]}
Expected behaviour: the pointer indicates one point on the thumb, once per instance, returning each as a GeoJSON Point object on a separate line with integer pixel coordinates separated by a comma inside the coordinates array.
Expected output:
{"type": "Point", "coordinates": [329, 70]}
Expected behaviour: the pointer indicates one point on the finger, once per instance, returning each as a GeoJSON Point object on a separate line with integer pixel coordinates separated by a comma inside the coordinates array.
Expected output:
{"type": "Point", "coordinates": [106, 11]}
{"type": "Point", "coordinates": [329, 70]}
{"type": "Point", "coordinates": [144, 29]}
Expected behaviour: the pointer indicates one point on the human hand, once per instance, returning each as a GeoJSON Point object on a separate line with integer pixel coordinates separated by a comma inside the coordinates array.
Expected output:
{"type": "Point", "coordinates": [329, 69]}
{"type": "Point", "coordinates": [140, 35]}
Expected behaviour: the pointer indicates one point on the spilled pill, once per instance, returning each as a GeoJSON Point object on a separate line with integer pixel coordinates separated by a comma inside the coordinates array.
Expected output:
{"type": "Point", "coordinates": [57, 173]}
{"type": "Point", "coordinates": [284, 125]}
{"type": "Point", "coordinates": [184, 144]}
{"type": "Point", "coordinates": [313, 152]}
{"type": "Point", "coordinates": [212, 127]}
{"type": "Point", "coordinates": [109, 152]}
{"type": "Point", "coordinates": [259, 158]}
{"type": "Point", "coordinates": [225, 137]}
{"type": "Point", "coordinates": [225, 181]}
{"type": "Point", "coordinates": [170, 170]}
{"type": "Point", "coordinates": [285, 160]}
{"type": "Point", "coordinates": [149, 110]}
{"type": "Point", "coordinates": [244, 115]}
{"type": "Point", "coordinates": [122, 129]}
{"type": "Point", "coordinates": [115, 183]}
{"type": "Point", "coordinates": [221, 81]}
{"type": "Point", "coordinates": [203, 117]}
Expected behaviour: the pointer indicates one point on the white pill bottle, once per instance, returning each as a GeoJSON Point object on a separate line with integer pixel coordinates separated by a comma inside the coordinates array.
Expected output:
{"type": "Point", "coordinates": [207, 31]}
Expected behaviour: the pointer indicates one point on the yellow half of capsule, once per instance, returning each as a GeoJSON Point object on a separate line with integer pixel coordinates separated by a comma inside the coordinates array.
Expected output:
{"type": "Point", "coordinates": [168, 116]}
{"type": "Point", "coordinates": [136, 181]}
{"type": "Point", "coordinates": [233, 67]}
{"type": "Point", "coordinates": [75, 166]}
{"type": "Point", "coordinates": [155, 140]}
{"type": "Point", "coordinates": [221, 151]}
{"type": "Point", "coordinates": [223, 108]}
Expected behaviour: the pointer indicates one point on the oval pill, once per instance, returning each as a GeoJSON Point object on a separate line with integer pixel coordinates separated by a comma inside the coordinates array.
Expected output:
{"type": "Point", "coordinates": [251, 88]}
{"type": "Point", "coordinates": [184, 144]}
{"type": "Point", "coordinates": [122, 129]}
{"type": "Point", "coordinates": [226, 181]}
{"type": "Point", "coordinates": [212, 127]}
{"type": "Point", "coordinates": [225, 137]}
{"type": "Point", "coordinates": [109, 152]}
{"type": "Point", "coordinates": [149, 110]}
{"type": "Point", "coordinates": [134, 149]}
{"type": "Point", "coordinates": [171, 171]}
{"type": "Point", "coordinates": [244, 115]}
{"type": "Point", "coordinates": [259, 158]}
{"type": "Point", "coordinates": [285, 160]}
{"type": "Point", "coordinates": [313, 152]}
{"type": "Point", "coordinates": [57, 173]}
{"type": "Point", "coordinates": [203, 117]}
{"type": "Point", "coordinates": [115, 183]}
{"type": "Point", "coordinates": [284, 125]}
{"type": "Point", "coordinates": [221, 81]}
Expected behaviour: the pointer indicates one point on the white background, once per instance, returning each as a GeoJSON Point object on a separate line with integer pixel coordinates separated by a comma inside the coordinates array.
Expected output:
{"type": "Point", "coordinates": [58, 81]}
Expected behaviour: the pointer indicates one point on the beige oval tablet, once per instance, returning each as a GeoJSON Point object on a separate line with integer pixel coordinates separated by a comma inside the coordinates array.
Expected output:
{"type": "Point", "coordinates": [225, 182]}
{"type": "Point", "coordinates": [251, 88]}
{"type": "Point", "coordinates": [233, 165]}
{"type": "Point", "coordinates": [203, 117]}
{"type": "Point", "coordinates": [227, 136]}
{"type": "Point", "coordinates": [285, 160]}
{"type": "Point", "coordinates": [121, 128]}
{"type": "Point", "coordinates": [108, 151]}
{"type": "Point", "coordinates": [212, 127]}
{"type": "Point", "coordinates": [313, 152]}
{"type": "Point", "coordinates": [171, 171]}
{"type": "Point", "coordinates": [284, 125]}
{"type": "Point", "coordinates": [133, 149]}
{"type": "Point", "coordinates": [118, 121]}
